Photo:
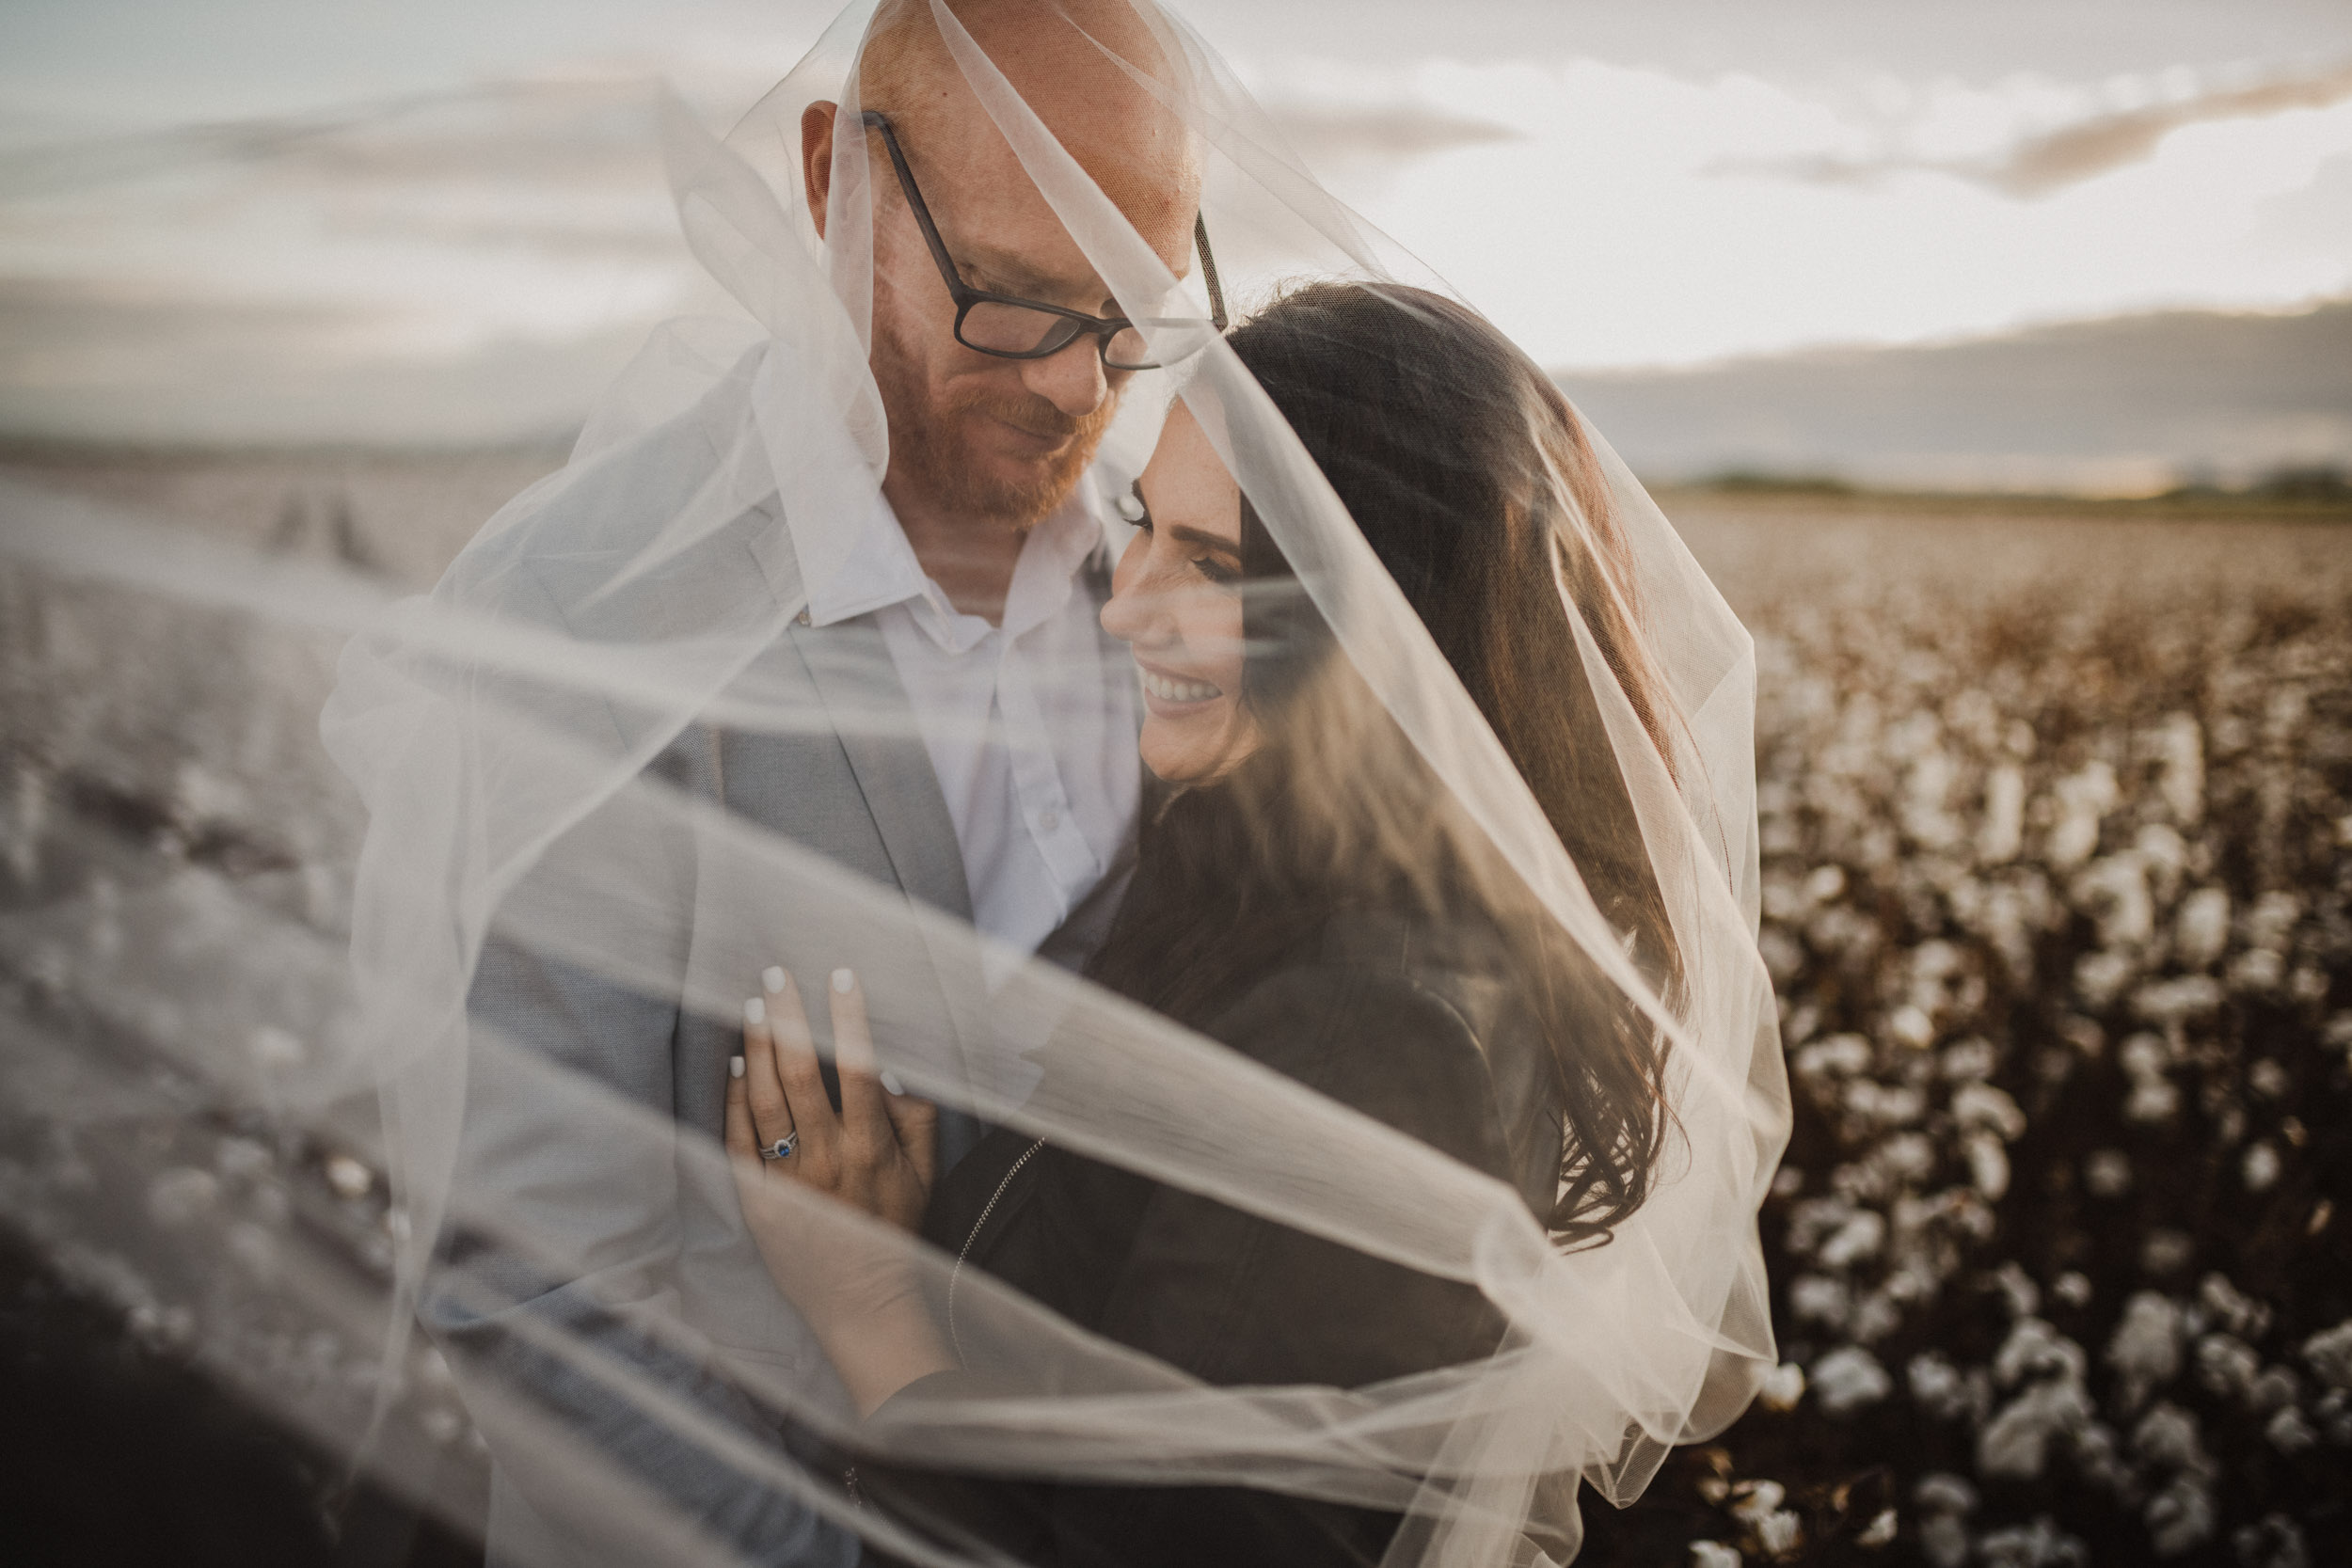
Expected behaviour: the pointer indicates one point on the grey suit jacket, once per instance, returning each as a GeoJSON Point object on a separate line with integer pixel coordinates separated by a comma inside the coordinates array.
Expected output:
{"type": "Point", "coordinates": [645, 1239]}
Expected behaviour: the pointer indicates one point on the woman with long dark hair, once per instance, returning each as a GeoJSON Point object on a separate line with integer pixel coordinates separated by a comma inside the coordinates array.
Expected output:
{"type": "Point", "coordinates": [1308, 893]}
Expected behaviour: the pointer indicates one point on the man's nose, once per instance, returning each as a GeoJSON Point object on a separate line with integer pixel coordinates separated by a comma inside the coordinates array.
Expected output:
{"type": "Point", "coordinates": [1072, 380]}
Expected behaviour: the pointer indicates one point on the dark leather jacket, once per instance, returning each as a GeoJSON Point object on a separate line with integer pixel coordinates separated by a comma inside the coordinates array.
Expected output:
{"type": "Point", "coordinates": [1415, 1025]}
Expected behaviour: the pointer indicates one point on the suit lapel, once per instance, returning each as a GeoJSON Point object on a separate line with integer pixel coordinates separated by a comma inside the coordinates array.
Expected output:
{"type": "Point", "coordinates": [851, 668]}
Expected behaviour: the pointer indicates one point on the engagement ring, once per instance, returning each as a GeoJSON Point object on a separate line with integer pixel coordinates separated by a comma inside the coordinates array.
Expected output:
{"type": "Point", "coordinates": [782, 1149]}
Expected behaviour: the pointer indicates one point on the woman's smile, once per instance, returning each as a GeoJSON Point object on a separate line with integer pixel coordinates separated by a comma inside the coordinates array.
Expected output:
{"type": "Point", "coordinates": [1169, 693]}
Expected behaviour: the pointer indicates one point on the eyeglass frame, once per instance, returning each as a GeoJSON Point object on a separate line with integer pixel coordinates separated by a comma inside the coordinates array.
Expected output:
{"type": "Point", "coordinates": [1103, 328]}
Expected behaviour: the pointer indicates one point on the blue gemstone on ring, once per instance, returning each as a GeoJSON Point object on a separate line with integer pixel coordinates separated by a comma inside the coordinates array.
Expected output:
{"type": "Point", "coordinates": [782, 1148]}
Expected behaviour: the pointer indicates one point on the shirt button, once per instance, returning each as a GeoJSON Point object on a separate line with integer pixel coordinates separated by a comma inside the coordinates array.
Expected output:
{"type": "Point", "coordinates": [801, 617]}
{"type": "Point", "coordinates": [1049, 820]}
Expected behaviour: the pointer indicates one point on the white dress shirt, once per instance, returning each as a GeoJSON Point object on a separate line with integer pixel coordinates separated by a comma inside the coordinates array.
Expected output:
{"type": "Point", "coordinates": [1030, 725]}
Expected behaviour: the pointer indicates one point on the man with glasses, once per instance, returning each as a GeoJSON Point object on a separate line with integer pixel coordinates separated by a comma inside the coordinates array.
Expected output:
{"type": "Point", "coordinates": [990, 769]}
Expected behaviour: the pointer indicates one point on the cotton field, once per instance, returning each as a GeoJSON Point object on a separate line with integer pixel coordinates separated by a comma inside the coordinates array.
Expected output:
{"type": "Point", "coordinates": [2057, 832]}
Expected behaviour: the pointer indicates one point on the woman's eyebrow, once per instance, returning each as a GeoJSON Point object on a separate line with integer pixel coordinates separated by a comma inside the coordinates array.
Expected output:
{"type": "Point", "coordinates": [1184, 533]}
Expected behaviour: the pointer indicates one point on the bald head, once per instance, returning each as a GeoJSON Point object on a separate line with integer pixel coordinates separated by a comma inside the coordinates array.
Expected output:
{"type": "Point", "coordinates": [1057, 55]}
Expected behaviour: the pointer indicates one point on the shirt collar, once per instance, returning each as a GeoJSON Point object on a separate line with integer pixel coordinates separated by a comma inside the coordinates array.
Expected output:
{"type": "Point", "coordinates": [880, 568]}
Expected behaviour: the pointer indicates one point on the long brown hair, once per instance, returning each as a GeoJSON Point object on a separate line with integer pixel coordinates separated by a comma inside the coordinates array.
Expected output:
{"type": "Point", "coordinates": [1470, 477]}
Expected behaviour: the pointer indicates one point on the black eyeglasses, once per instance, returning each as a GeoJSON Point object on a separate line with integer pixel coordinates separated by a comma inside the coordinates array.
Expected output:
{"type": "Point", "coordinates": [1014, 328]}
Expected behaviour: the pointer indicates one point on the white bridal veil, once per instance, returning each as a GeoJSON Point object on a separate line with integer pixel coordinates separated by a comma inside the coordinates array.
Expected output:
{"type": "Point", "coordinates": [543, 748]}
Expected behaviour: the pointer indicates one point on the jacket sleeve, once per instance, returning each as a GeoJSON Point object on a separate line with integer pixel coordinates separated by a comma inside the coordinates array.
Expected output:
{"type": "Point", "coordinates": [1235, 1299]}
{"type": "Point", "coordinates": [557, 1266]}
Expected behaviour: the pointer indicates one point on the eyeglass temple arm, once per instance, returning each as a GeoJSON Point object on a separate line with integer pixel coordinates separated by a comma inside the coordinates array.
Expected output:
{"type": "Point", "coordinates": [1208, 272]}
{"type": "Point", "coordinates": [874, 119]}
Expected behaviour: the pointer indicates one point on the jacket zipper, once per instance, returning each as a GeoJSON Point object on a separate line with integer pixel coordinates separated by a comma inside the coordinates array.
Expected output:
{"type": "Point", "coordinates": [1026, 1155]}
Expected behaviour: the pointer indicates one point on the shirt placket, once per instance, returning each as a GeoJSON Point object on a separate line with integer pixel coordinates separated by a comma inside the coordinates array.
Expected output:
{"type": "Point", "coordinates": [1037, 781]}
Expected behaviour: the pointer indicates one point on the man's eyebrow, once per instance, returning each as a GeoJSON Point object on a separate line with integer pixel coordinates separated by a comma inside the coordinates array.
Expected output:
{"type": "Point", "coordinates": [1004, 267]}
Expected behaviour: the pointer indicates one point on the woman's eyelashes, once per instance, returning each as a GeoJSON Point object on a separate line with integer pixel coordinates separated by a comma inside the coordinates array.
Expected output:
{"type": "Point", "coordinates": [1218, 570]}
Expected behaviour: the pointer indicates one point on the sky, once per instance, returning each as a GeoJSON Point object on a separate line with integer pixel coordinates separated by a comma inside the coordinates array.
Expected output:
{"type": "Point", "coordinates": [440, 221]}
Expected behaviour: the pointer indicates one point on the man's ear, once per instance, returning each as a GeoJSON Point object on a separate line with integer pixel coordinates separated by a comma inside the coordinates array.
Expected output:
{"type": "Point", "coordinates": [816, 158]}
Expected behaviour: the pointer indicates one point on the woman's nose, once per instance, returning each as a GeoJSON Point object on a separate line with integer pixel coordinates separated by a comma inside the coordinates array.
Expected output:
{"type": "Point", "coordinates": [1127, 614]}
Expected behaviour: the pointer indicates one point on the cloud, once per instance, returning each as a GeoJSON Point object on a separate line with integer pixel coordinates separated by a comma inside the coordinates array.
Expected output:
{"type": "Point", "coordinates": [1327, 134]}
{"type": "Point", "coordinates": [2038, 166]}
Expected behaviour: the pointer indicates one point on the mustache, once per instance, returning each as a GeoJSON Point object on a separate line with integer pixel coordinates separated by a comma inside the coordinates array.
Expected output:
{"type": "Point", "coordinates": [1039, 416]}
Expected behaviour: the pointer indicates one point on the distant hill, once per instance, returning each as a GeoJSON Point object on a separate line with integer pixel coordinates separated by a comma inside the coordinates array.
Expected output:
{"type": "Point", "coordinates": [2132, 403]}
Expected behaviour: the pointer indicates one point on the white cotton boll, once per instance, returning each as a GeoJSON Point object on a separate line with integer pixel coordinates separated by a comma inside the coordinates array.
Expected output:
{"type": "Point", "coordinates": [1944, 1542]}
{"type": "Point", "coordinates": [1848, 1378]}
{"type": "Point", "coordinates": [2289, 1432]}
{"type": "Point", "coordinates": [2201, 932]}
{"type": "Point", "coordinates": [2275, 1389]}
{"type": "Point", "coordinates": [2145, 1349]}
{"type": "Point", "coordinates": [2257, 969]}
{"type": "Point", "coordinates": [1911, 1026]}
{"type": "Point", "coordinates": [241, 1158]}
{"type": "Point", "coordinates": [2071, 1289]}
{"type": "Point", "coordinates": [1936, 1386]}
{"type": "Point", "coordinates": [1755, 1498]}
{"type": "Point", "coordinates": [2083, 799]}
{"type": "Point", "coordinates": [2019, 1294]}
{"type": "Point", "coordinates": [1714, 1554]}
{"type": "Point", "coordinates": [2101, 977]}
{"type": "Point", "coordinates": [2167, 1251]}
{"type": "Point", "coordinates": [1779, 1534]}
{"type": "Point", "coordinates": [348, 1176]}
{"type": "Point", "coordinates": [1940, 1491]}
{"type": "Point", "coordinates": [2167, 1436]}
{"type": "Point", "coordinates": [1988, 1165]}
{"type": "Point", "coordinates": [2036, 1350]}
{"type": "Point", "coordinates": [1967, 1060]}
{"type": "Point", "coordinates": [272, 1046]}
{"type": "Point", "coordinates": [2224, 1304]}
{"type": "Point", "coordinates": [2268, 1079]}
{"type": "Point", "coordinates": [2115, 892]}
{"type": "Point", "coordinates": [1881, 1531]}
{"type": "Point", "coordinates": [1818, 1299]}
{"type": "Point", "coordinates": [255, 1249]}
{"type": "Point", "coordinates": [2180, 1517]}
{"type": "Point", "coordinates": [1824, 883]}
{"type": "Point", "coordinates": [1782, 1389]}
{"type": "Point", "coordinates": [1875, 1315]}
{"type": "Point", "coordinates": [2181, 744]}
{"type": "Point", "coordinates": [1980, 1107]}
{"type": "Point", "coordinates": [2330, 1354]}
{"type": "Point", "coordinates": [1858, 1237]}
{"type": "Point", "coordinates": [1884, 1105]}
{"type": "Point", "coordinates": [2259, 1167]}
{"type": "Point", "coordinates": [2153, 1101]}
{"type": "Point", "coordinates": [2227, 1365]}
{"type": "Point", "coordinates": [180, 1195]}
{"type": "Point", "coordinates": [1843, 1056]}
{"type": "Point", "coordinates": [2108, 1172]}
{"type": "Point", "coordinates": [2040, 1544]}
{"type": "Point", "coordinates": [2003, 832]}
{"type": "Point", "coordinates": [2016, 1441]}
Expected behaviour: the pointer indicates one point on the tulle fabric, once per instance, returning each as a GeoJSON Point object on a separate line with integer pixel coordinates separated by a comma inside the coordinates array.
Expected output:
{"type": "Point", "coordinates": [516, 737]}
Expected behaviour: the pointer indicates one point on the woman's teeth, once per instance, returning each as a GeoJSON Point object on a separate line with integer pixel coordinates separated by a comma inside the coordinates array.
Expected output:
{"type": "Point", "coordinates": [1169, 690]}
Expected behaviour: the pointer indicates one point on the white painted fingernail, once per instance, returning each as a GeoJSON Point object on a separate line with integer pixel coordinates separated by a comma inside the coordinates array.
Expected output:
{"type": "Point", "coordinates": [773, 977]}
{"type": "Point", "coordinates": [843, 981]}
{"type": "Point", "coordinates": [735, 1067]}
{"type": "Point", "coordinates": [755, 1011]}
{"type": "Point", "coordinates": [890, 1082]}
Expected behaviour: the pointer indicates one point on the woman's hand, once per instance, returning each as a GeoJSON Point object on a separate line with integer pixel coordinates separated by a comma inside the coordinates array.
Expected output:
{"type": "Point", "coordinates": [787, 1144]}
